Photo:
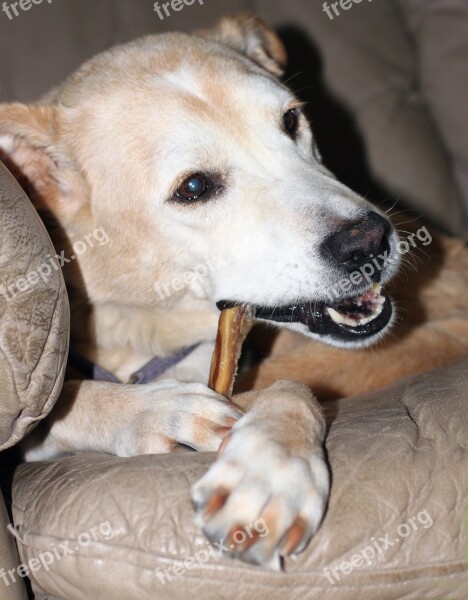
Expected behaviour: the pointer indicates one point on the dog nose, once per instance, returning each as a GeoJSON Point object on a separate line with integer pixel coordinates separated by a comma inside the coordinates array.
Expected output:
{"type": "Point", "coordinates": [354, 244]}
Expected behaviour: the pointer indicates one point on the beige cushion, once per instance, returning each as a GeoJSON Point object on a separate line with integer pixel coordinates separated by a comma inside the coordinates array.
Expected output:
{"type": "Point", "coordinates": [398, 71]}
{"type": "Point", "coordinates": [68, 37]}
{"type": "Point", "coordinates": [399, 462]}
{"type": "Point", "coordinates": [34, 323]}
{"type": "Point", "coordinates": [439, 30]}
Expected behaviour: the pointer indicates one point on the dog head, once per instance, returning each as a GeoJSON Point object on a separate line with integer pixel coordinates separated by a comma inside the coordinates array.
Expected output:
{"type": "Point", "coordinates": [202, 168]}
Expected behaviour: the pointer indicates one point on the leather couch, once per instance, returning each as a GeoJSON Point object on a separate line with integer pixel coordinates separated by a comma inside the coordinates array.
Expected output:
{"type": "Point", "coordinates": [123, 528]}
{"type": "Point", "coordinates": [99, 527]}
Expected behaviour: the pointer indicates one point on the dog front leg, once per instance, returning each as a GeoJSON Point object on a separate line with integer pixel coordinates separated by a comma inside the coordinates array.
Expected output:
{"type": "Point", "coordinates": [270, 484]}
{"type": "Point", "coordinates": [128, 420]}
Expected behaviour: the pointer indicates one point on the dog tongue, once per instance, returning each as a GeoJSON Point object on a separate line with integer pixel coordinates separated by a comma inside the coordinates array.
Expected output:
{"type": "Point", "coordinates": [234, 325]}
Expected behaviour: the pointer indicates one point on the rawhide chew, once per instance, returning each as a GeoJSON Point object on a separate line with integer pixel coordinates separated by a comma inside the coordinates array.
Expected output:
{"type": "Point", "coordinates": [234, 325]}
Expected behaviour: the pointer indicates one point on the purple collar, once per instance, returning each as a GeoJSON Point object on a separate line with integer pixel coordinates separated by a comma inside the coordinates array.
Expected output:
{"type": "Point", "coordinates": [149, 372]}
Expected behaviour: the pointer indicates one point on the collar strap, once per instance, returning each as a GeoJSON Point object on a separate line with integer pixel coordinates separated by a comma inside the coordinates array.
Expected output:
{"type": "Point", "coordinates": [149, 372]}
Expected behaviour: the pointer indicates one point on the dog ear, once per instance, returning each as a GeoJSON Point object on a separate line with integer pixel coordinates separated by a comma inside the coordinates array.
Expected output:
{"type": "Point", "coordinates": [251, 36]}
{"type": "Point", "coordinates": [30, 148]}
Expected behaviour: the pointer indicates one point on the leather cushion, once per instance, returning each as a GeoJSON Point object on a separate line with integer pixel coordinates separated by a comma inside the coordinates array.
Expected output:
{"type": "Point", "coordinates": [396, 65]}
{"type": "Point", "coordinates": [34, 324]}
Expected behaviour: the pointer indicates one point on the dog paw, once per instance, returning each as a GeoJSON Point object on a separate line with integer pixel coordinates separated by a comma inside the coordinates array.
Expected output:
{"type": "Point", "coordinates": [257, 501]}
{"type": "Point", "coordinates": [173, 414]}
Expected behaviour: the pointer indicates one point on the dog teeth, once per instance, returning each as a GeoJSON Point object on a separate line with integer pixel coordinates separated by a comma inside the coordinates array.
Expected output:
{"type": "Point", "coordinates": [372, 300]}
{"type": "Point", "coordinates": [341, 319]}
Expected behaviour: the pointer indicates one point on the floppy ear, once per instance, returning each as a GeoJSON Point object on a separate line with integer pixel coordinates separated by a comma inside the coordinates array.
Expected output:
{"type": "Point", "coordinates": [251, 36]}
{"type": "Point", "coordinates": [30, 148]}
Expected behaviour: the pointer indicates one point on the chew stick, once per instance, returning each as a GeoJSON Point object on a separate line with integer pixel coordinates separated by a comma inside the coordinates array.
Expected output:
{"type": "Point", "coordinates": [234, 325]}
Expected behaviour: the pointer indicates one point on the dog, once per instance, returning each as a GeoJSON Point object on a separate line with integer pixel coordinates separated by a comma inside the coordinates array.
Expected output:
{"type": "Point", "coordinates": [184, 148]}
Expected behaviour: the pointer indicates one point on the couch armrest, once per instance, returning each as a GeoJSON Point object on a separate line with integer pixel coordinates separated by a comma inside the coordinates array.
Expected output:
{"type": "Point", "coordinates": [399, 462]}
{"type": "Point", "coordinates": [34, 323]}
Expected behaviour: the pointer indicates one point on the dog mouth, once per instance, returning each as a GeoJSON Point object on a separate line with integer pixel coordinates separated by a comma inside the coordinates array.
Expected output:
{"type": "Point", "coordinates": [348, 319]}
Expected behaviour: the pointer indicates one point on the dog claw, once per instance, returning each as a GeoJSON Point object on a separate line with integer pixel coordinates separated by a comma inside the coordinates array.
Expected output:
{"type": "Point", "coordinates": [215, 504]}
{"type": "Point", "coordinates": [294, 537]}
{"type": "Point", "coordinates": [253, 538]}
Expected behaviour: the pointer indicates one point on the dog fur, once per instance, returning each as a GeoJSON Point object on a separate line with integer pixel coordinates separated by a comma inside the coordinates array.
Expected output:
{"type": "Point", "coordinates": [108, 148]}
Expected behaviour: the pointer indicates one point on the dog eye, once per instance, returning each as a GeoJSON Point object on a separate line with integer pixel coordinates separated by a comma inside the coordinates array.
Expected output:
{"type": "Point", "coordinates": [194, 187]}
{"type": "Point", "coordinates": [291, 122]}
